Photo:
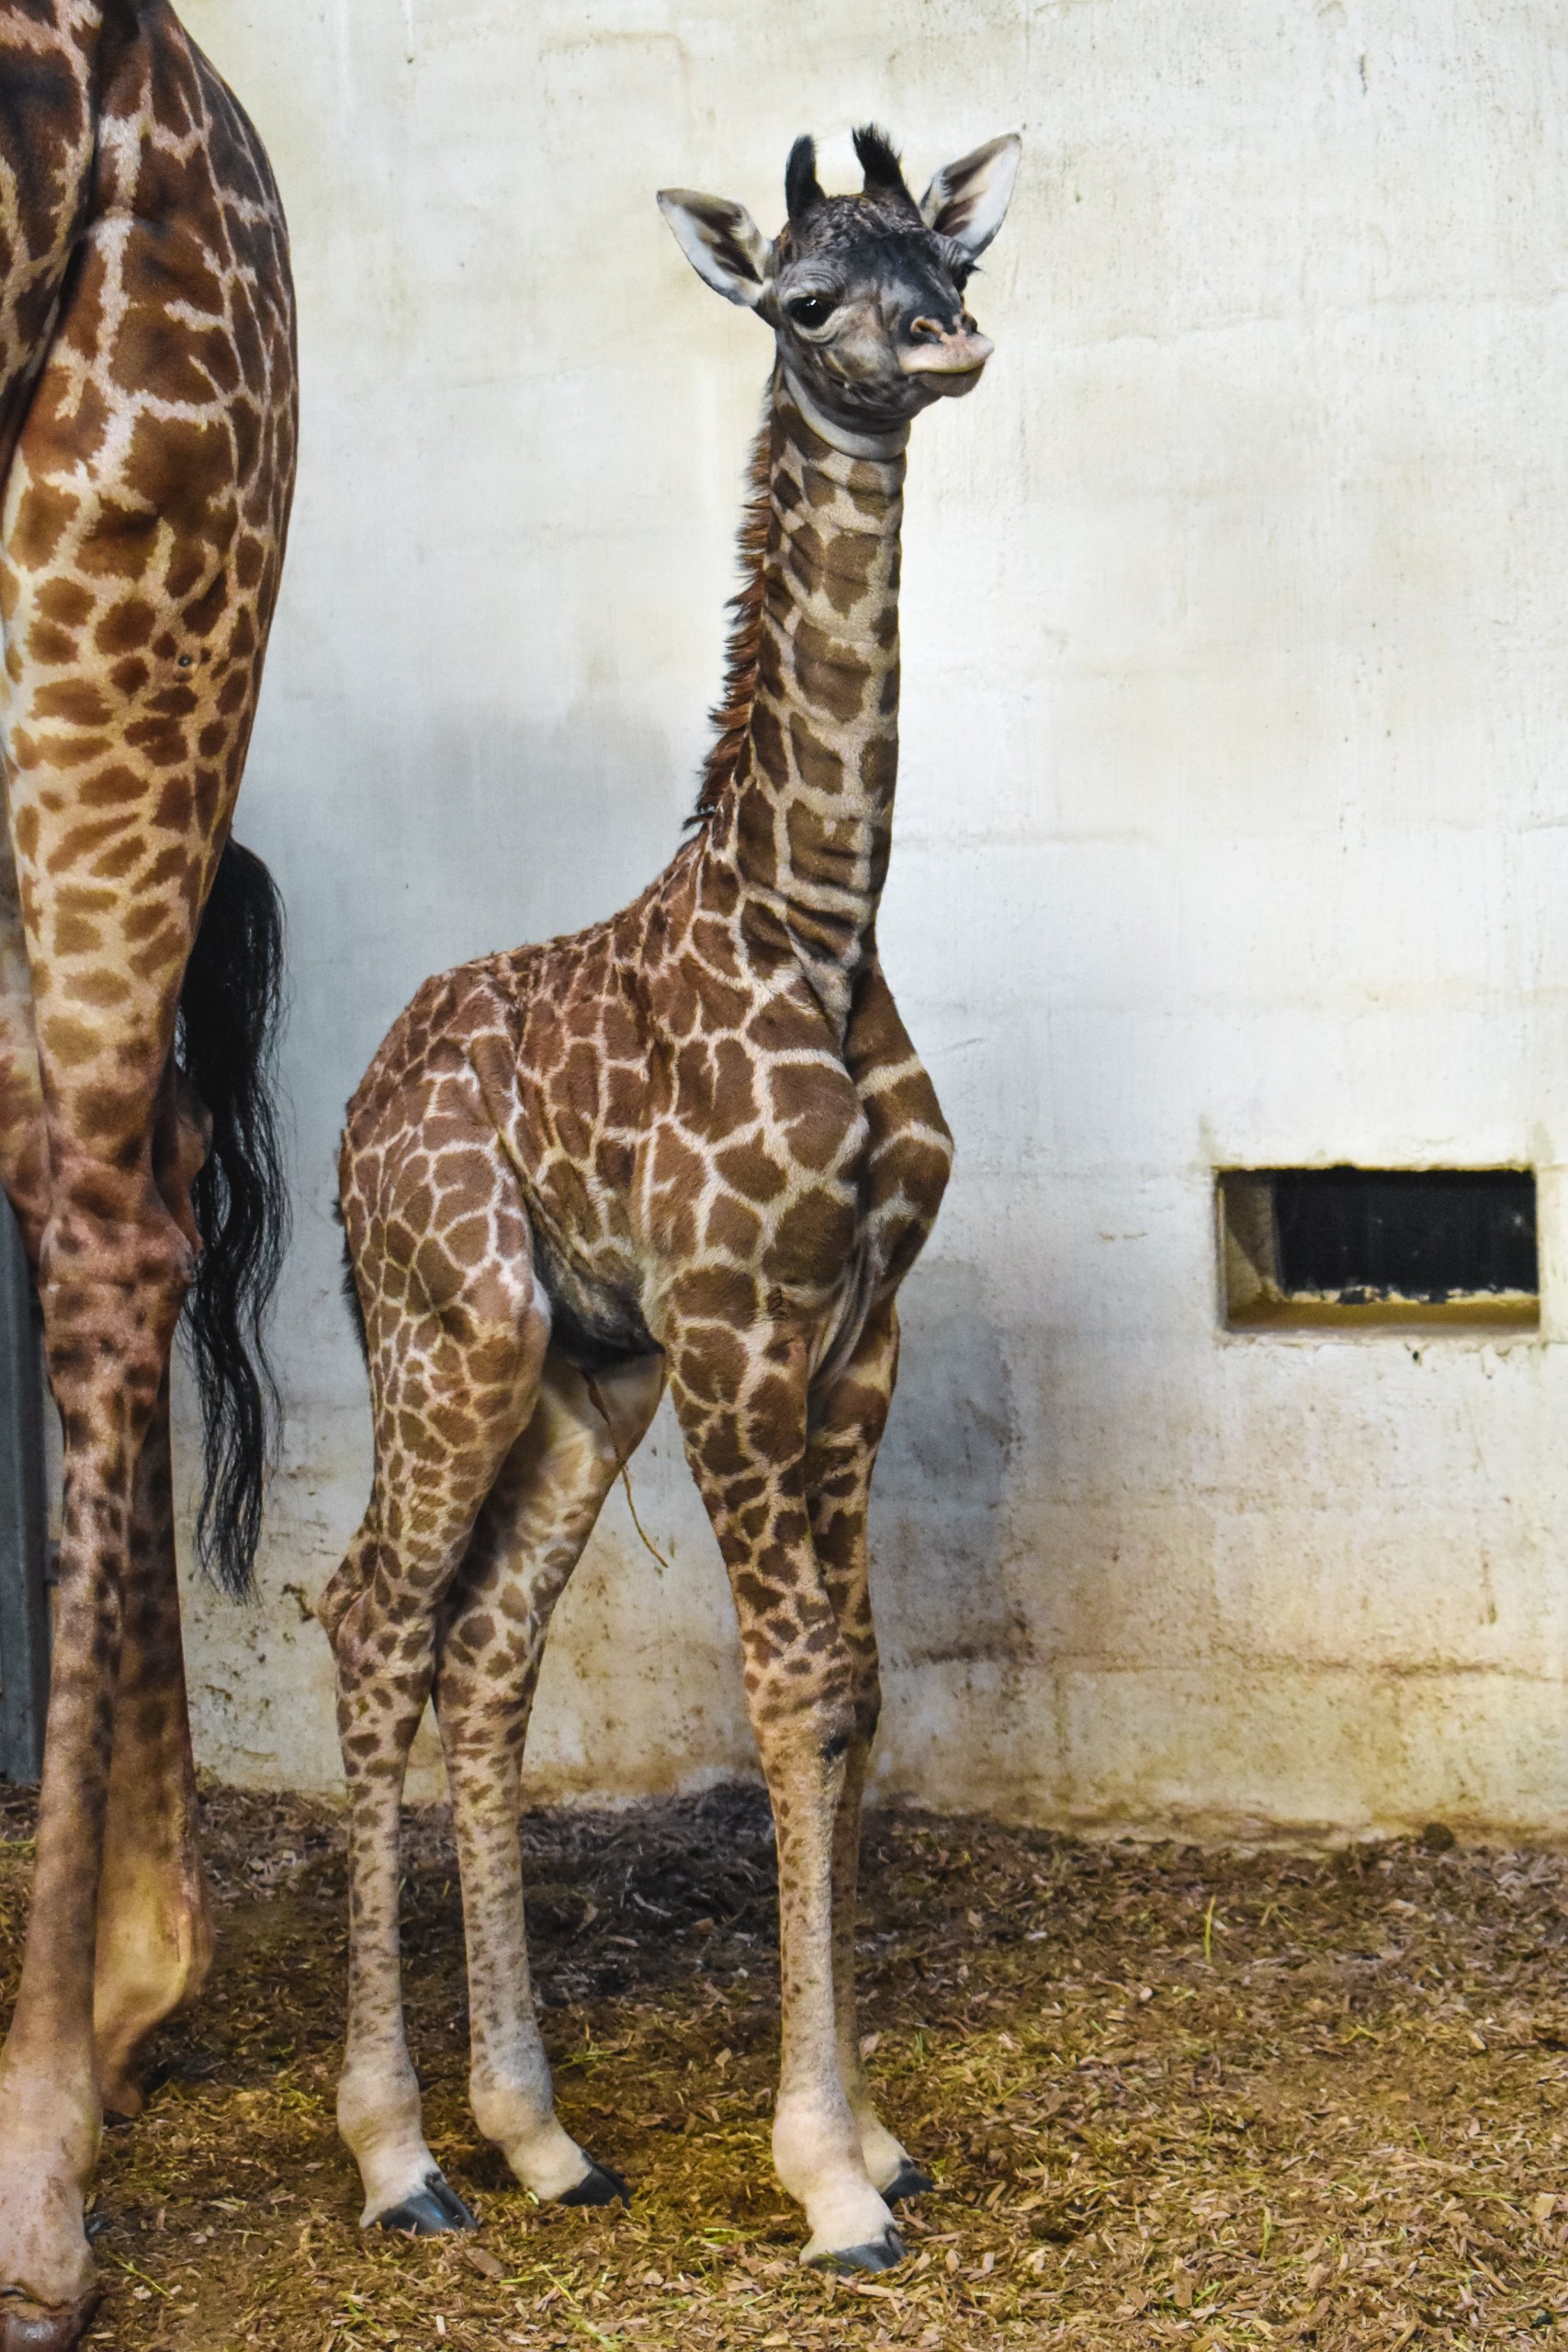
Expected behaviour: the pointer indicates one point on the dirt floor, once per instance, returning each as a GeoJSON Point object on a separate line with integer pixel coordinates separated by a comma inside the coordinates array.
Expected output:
{"type": "Point", "coordinates": [1169, 2096]}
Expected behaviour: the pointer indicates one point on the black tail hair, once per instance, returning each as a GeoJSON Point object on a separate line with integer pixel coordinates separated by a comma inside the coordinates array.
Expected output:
{"type": "Point", "coordinates": [230, 1015]}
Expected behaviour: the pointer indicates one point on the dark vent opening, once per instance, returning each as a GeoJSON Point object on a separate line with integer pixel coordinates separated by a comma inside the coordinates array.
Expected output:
{"type": "Point", "coordinates": [1368, 1245]}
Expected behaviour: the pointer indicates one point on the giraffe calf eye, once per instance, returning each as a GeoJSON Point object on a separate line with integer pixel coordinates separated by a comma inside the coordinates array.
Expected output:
{"type": "Point", "coordinates": [811, 309]}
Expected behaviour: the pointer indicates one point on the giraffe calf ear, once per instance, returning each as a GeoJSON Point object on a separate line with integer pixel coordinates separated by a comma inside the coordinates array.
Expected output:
{"type": "Point", "coordinates": [969, 200]}
{"type": "Point", "coordinates": [722, 243]}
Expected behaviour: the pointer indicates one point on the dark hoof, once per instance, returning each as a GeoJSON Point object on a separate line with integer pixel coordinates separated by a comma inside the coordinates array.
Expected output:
{"type": "Point", "coordinates": [911, 2182]}
{"type": "Point", "coordinates": [430, 2211]}
{"type": "Point", "coordinates": [35, 2328]}
{"type": "Point", "coordinates": [602, 2186]}
{"type": "Point", "coordinates": [191, 2066]}
{"type": "Point", "coordinates": [881, 2255]}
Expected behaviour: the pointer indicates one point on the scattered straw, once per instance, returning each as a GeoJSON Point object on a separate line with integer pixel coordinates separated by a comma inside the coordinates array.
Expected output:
{"type": "Point", "coordinates": [1171, 2097]}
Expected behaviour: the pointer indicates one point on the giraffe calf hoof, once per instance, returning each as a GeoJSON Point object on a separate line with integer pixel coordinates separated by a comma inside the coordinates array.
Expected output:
{"type": "Point", "coordinates": [911, 2182]}
{"type": "Point", "coordinates": [42, 2328]}
{"type": "Point", "coordinates": [600, 2185]}
{"type": "Point", "coordinates": [880, 2254]}
{"type": "Point", "coordinates": [433, 2209]}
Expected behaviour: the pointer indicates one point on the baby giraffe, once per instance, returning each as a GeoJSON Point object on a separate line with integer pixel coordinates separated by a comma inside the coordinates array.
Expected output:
{"type": "Point", "coordinates": [693, 1144]}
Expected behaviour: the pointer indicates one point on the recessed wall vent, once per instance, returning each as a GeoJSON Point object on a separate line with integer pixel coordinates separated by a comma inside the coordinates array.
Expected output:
{"type": "Point", "coordinates": [1348, 1247]}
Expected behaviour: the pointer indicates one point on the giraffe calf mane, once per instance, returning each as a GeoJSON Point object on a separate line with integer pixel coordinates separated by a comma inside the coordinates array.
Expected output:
{"type": "Point", "coordinates": [731, 715]}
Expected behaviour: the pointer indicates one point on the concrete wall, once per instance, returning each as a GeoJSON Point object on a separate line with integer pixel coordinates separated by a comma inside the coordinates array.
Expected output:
{"type": "Point", "coordinates": [1231, 828]}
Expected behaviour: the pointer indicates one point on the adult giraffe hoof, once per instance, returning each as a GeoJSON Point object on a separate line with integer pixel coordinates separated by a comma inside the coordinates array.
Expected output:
{"type": "Point", "coordinates": [880, 2254]}
{"type": "Point", "coordinates": [433, 2209]}
{"type": "Point", "coordinates": [910, 2182]}
{"type": "Point", "coordinates": [600, 2185]}
{"type": "Point", "coordinates": [42, 2327]}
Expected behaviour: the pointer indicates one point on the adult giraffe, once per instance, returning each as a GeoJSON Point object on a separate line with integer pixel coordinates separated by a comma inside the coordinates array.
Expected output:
{"type": "Point", "coordinates": [694, 1139]}
{"type": "Point", "coordinates": [147, 431]}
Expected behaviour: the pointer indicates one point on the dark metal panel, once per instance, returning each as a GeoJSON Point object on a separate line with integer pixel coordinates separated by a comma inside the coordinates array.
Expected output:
{"type": "Point", "coordinates": [24, 1596]}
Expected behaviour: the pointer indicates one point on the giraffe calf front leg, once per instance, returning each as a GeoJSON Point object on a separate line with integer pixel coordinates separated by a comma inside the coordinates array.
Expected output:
{"type": "Point", "coordinates": [849, 1425]}
{"type": "Point", "coordinates": [894, 2172]}
{"type": "Point", "coordinates": [806, 1743]}
{"type": "Point", "coordinates": [818, 2151]}
{"type": "Point", "coordinates": [745, 1430]}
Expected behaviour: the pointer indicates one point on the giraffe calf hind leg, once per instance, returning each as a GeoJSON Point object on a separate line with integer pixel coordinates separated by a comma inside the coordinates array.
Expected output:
{"type": "Point", "coordinates": [527, 1540]}
{"type": "Point", "coordinates": [452, 1391]}
{"type": "Point", "coordinates": [383, 1672]}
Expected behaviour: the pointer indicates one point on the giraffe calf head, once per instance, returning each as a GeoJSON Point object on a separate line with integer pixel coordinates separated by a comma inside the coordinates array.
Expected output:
{"type": "Point", "coordinates": [864, 293]}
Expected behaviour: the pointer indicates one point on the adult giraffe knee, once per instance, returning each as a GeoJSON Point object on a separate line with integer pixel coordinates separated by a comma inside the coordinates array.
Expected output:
{"type": "Point", "coordinates": [147, 429]}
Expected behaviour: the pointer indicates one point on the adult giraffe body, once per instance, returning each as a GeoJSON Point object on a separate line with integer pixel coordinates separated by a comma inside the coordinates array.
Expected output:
{"type": "Point", "coordinates": [147, 431]}
{"type": "Point", "coordinates": [694, 1140]}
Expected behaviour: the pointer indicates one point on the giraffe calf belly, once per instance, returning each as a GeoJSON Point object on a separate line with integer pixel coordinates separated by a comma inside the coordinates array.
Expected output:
{"type": "Point", "coordinates": [595, 1325]}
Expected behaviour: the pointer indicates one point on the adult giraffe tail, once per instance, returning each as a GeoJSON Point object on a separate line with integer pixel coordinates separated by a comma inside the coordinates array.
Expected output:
{"type": "Point", "coordinates": [230, 1015]}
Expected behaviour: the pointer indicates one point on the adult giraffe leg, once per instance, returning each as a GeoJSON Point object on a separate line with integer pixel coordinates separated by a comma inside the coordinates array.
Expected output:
{"type": "Point", "coordinates": [529, 1538]}
{"type": "Point", "coordinates": [139, 554]}
{"type": "Point", "coordinates": [741, 1396]}
{"type": "Point", "coordinates": [847, 1425]}
{"type": "Point", "coordinates": [23, 1134]}
{"type": "Point", "coordinates": [154, 1928]}
{"type": "Point", "coordinates": [154, 1940]}
{"type": "Point", "coordinates": [154, 1936]}
{"type": "Point", "coordinates": [114, 1266]}
{"type": "Point", "coordinates": [107, 1342]}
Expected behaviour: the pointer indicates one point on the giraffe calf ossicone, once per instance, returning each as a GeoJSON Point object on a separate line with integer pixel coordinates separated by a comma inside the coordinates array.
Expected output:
{"type": "Point", "coordinates": [693, 1143]}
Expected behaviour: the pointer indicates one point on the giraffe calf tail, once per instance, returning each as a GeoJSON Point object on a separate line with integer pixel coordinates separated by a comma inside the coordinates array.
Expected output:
{"type": "Point", "coordinates": [349, 1285]}
{"type": "Point", "coordinates": [231, 1014]}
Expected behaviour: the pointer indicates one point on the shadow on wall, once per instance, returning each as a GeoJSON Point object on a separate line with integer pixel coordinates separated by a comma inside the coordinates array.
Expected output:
{"type": "Point", "coordinates": [939, 1514]}
{"type": "Point", "coordinates": [474, 832]}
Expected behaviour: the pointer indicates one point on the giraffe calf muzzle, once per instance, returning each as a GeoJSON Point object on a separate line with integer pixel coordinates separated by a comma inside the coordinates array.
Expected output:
{"type": "Point", "coordinates": [938, 351]}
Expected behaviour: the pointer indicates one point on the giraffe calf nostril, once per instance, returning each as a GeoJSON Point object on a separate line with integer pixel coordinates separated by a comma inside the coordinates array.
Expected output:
{"type": "Point", "coordinates": [925, 331]}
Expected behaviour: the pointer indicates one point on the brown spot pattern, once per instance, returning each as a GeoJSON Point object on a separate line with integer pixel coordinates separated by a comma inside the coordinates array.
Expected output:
{"type": "Point", "coordinates": [703, 1125]}
{"type": "Point", "coordinates": [147, 435]}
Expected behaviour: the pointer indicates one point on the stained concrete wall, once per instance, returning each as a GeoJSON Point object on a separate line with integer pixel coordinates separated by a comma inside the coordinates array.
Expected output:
{"type": "Point", "coordinates": [1231, 829]}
